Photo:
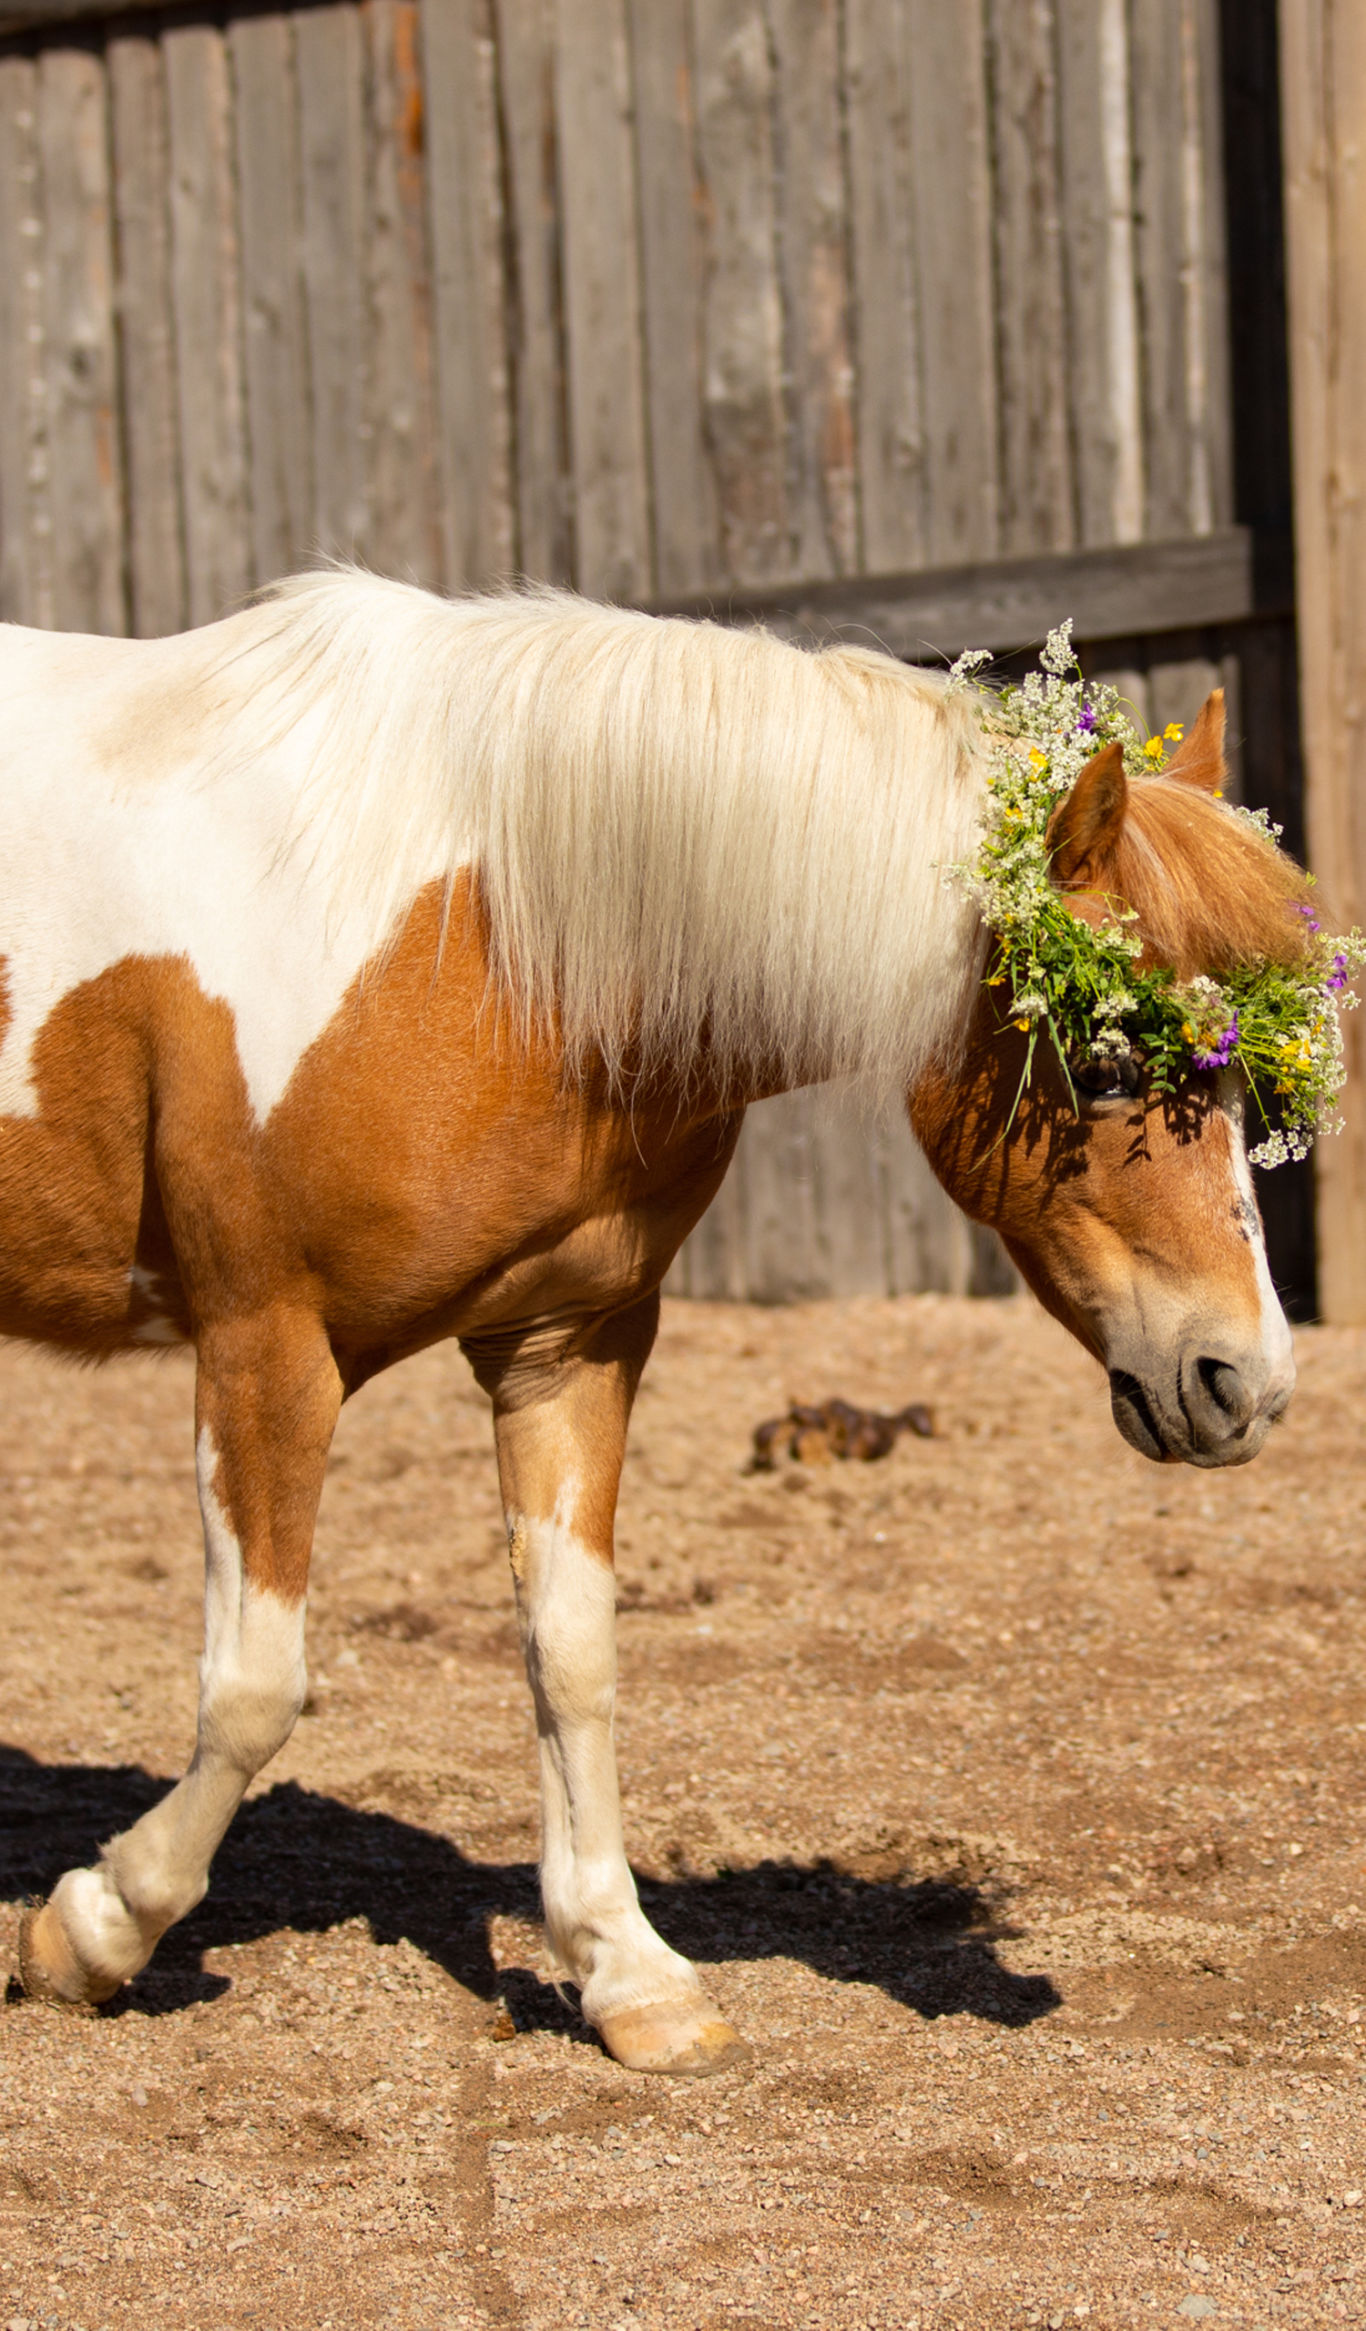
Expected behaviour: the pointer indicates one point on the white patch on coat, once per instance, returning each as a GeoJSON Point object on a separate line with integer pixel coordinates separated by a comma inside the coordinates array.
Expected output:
{"type": "Point", "coordinates": [106, 856]}
{"type": "Point", "coordinates": [659, 811]}
{"type": "Point", "coordinates": [1278, 1344]}
{"type": "Point", "coordinates": [566, 1596]}
{"type": "Point", "coordinates": [252, 1681]}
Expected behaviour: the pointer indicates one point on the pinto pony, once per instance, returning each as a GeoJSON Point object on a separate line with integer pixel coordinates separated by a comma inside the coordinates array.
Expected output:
{"type": "Point", "coordinates": [379, 969]}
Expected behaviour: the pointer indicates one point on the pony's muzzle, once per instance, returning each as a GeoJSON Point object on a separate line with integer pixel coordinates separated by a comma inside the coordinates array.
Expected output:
{"type": "Point", "coordinates": [1218, 1411]}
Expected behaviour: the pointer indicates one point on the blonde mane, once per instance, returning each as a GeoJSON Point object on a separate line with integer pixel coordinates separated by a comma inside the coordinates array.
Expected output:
{"type": "Point", "coordinates": [688, 841]}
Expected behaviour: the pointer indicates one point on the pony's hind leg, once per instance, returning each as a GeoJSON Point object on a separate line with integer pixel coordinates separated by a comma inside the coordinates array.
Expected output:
{"type": "Point", "coordinates": [560, 1421]}
{"type": "Point", "coordinates": [267, 1400]}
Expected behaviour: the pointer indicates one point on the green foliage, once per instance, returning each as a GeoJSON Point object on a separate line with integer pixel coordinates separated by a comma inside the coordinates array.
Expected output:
{"type": "Point", "coordinates": [1080, 984]}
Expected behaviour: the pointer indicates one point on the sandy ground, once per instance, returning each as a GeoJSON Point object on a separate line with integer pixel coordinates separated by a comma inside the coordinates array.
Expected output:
{"type": "Point", "coordinates": [1008, 1790]}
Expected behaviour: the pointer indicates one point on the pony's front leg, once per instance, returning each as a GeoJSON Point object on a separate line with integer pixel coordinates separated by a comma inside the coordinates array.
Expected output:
{"type": "Point", "coordinates": [267, 1399]}
{"type": "Point", "coordinates": [560, 1422]}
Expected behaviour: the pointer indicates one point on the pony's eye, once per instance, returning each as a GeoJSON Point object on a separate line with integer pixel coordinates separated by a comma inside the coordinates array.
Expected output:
{"type": "Point", "coordinates": [1105, 1080]}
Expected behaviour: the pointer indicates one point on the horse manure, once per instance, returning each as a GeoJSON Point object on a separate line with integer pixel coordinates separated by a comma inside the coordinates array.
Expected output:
{"type": "Point", "coordinates": [835, 1429]}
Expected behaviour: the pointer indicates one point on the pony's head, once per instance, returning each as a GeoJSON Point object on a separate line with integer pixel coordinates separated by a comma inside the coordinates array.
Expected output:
{"type": "Point", "coordinates": [1130, 1212]}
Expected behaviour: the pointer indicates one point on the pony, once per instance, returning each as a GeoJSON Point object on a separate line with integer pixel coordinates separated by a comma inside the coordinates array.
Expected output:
{"type": "Point", "coordinates": [379, 968]}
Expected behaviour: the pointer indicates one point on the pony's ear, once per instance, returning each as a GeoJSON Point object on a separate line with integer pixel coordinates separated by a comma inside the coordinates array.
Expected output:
{"type": "Point", "coordinates": [1199, 760]}
{"type": "Point", "coordinates": [1084, 828]}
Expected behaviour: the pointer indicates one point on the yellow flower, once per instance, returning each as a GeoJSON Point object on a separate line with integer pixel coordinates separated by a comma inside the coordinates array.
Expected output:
{"type": "Point", "coordinates": [998, 981]}
{"type": "Point", "coordinates": [1187, 1031]}
{"type": "Point", "coordinates": [1023, 1026]}
{"type": "Point", "coordinates": [1173, 732]}
{"type": "Point", "coordinates": [1153, 749]}
{"type": "Point", "coordinates": [1037, 760]}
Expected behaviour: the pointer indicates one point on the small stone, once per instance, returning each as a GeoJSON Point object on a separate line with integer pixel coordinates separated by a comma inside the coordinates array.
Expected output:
{"type": "Point", "coordinates": [1351, 2200]}
{"type": "Point", "coordinates": [1196, 2304]}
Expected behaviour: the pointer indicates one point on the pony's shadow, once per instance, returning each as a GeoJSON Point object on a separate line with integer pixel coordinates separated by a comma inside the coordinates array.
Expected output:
{"type": "Point", "coordinates": [299, 1859]}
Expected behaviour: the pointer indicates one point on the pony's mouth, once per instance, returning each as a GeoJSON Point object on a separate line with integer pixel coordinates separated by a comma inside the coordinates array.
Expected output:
{"type": "Point", "coordinates": [1221, 1420]}
{"type": "Point", "coordinates": [1134, 1419]}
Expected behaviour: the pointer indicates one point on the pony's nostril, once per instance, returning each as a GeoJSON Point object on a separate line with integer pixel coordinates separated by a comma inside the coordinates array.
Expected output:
{"type": "Point", "coordinates": [1225, 1387]}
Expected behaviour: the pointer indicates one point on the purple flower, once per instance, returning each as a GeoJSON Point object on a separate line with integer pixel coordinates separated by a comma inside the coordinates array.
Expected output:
{"type": "Point", "coordinates": [1337, 977]}
{"type": "Point", "coordinates": [1310, 917]}
{"type": "Point", "coordinates": [1224, 1048]}
{"type": "Point", "coordinates": [1087, 720]}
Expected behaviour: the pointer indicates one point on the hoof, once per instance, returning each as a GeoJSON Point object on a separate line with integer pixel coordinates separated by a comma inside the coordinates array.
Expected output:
{"type": "Point", "coordinates": [49, 1968]}
{"type": "Point", "coordinates": [691, 2040]}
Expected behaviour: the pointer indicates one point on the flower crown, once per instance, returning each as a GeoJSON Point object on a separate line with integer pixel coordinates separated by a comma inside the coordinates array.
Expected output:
{"type": "Point", "coordinates": [1080, 983]}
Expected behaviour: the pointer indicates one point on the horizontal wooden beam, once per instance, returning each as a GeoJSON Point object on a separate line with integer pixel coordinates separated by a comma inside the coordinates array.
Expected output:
{"type": "Point", "coordinates": [52, 15]}
{"type": "Point", "coordinates": [41, 16]}
{"type": "Point", "coordinates": [1114, 593]}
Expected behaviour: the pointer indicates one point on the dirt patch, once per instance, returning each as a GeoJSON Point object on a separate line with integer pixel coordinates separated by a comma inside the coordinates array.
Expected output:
{"type": "Point", "coordinates": [1008, 1790]}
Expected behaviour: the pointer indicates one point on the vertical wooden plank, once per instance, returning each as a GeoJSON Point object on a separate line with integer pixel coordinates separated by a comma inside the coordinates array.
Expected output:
{"type": "Point", "coordinates": [276, 352]}
{"type": "Point", "coordinates": [332, 167]}
{"type": "Point", "coordinates": [780, 1262]}
{"type": "Point", "coordinates": [1182, 268]}
{"type": "Point", "coordinates": [84, 452]}
{"type": "Point", "coordinates": [25, 513]}
{"type": "Point", "coordinates": [1177, 687]}
{"type": "Point", "coordinates": [952, 213]}
{"type": "Point", "coordinates": [468, 324]}
{"type": "Point", "coordinates": [891, 433]}
{"type": "Point", "coordinates": [156, 552]}
{"type": "Point", "coordinates": [812, 242]}
{"type": "Point", "coordinates": [1036, 481]}
{"type": "Point", "coordinates": [1323, 85]}
{"type": "Point", "coordinates": [743, 347]}
{"type": "Point", "coordinates": [687, 540]}
{"type": "Point", "coordinates": [602, 300]}
{"type": "Point", "coordinates": [526, 84]}
{"type": "Point", "coordinates": [1102, 302]}
{"type": "Point", "coordinates": [1205, 268]}
{"type": "Point", "coordinates": [849, 1244]}
{"type": "Point", "coordinates": [1122, 664]}
{"type": "Point", "coordinates": [206, 287]}
{"type": "Point", "coordinates": [927, 1245]}
{"type": "Point", "coordinates": [1155, 44]}
{"type": "Point", "coordinates": [399, 423]}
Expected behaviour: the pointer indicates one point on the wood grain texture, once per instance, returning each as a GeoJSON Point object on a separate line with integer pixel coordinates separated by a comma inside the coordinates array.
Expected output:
{"type": "Point", "coordinates": [81, 362]}
{"type": "Point", "coordinates": [464, 219]}
{"type": "Point", "coordinates": [1006, 603]}
{"type": "Point", "coordinates": [25, 513]}
{"type": "Point", "coordinates": [1323, 82]}
{"type": "Point", "coordinates": [403, 534]}
{"type": "Point", "coordinates": [687, 530]}
{"type": "Point", "coordinates": [1181, 264]}
{"type": "Point", "coordinates": [1207, 245]}
{"type": "Point", "coordinates": [885, 287]}
{"type": "Point", "coordinates": [279, 422]}
{"type": "Point", "coordinates": [780, 1217]}
{"type": "Point", "coordinates": [1037, 507]}
{"type": "Point", "coordinates": [744, 412]}
{"type": "Point", "coordinates": [1102, 292]}
{"type": "Point", "coordinates": [340, 344]}
{"type": "Point", "coordinates": [526, 84]}
{"type": "Point", "coordinates": [952, 214]}
{"type": "Point", "coordinates": [151, 434]}
{"type": "Point", "coordinates": [813, 244]}
{"type": "Point", "coordinates": [602, 300]}
{"type": "Point", "coordinates": [206, 289]}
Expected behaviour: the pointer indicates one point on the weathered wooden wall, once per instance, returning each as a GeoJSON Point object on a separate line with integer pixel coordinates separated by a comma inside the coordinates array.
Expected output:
{"type": "Point", "coordinates": [654, 296]}
{"type": "Point", "coordinates": [1324, 86]}
{"type": "Point", "coordinates": [679, 301]}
